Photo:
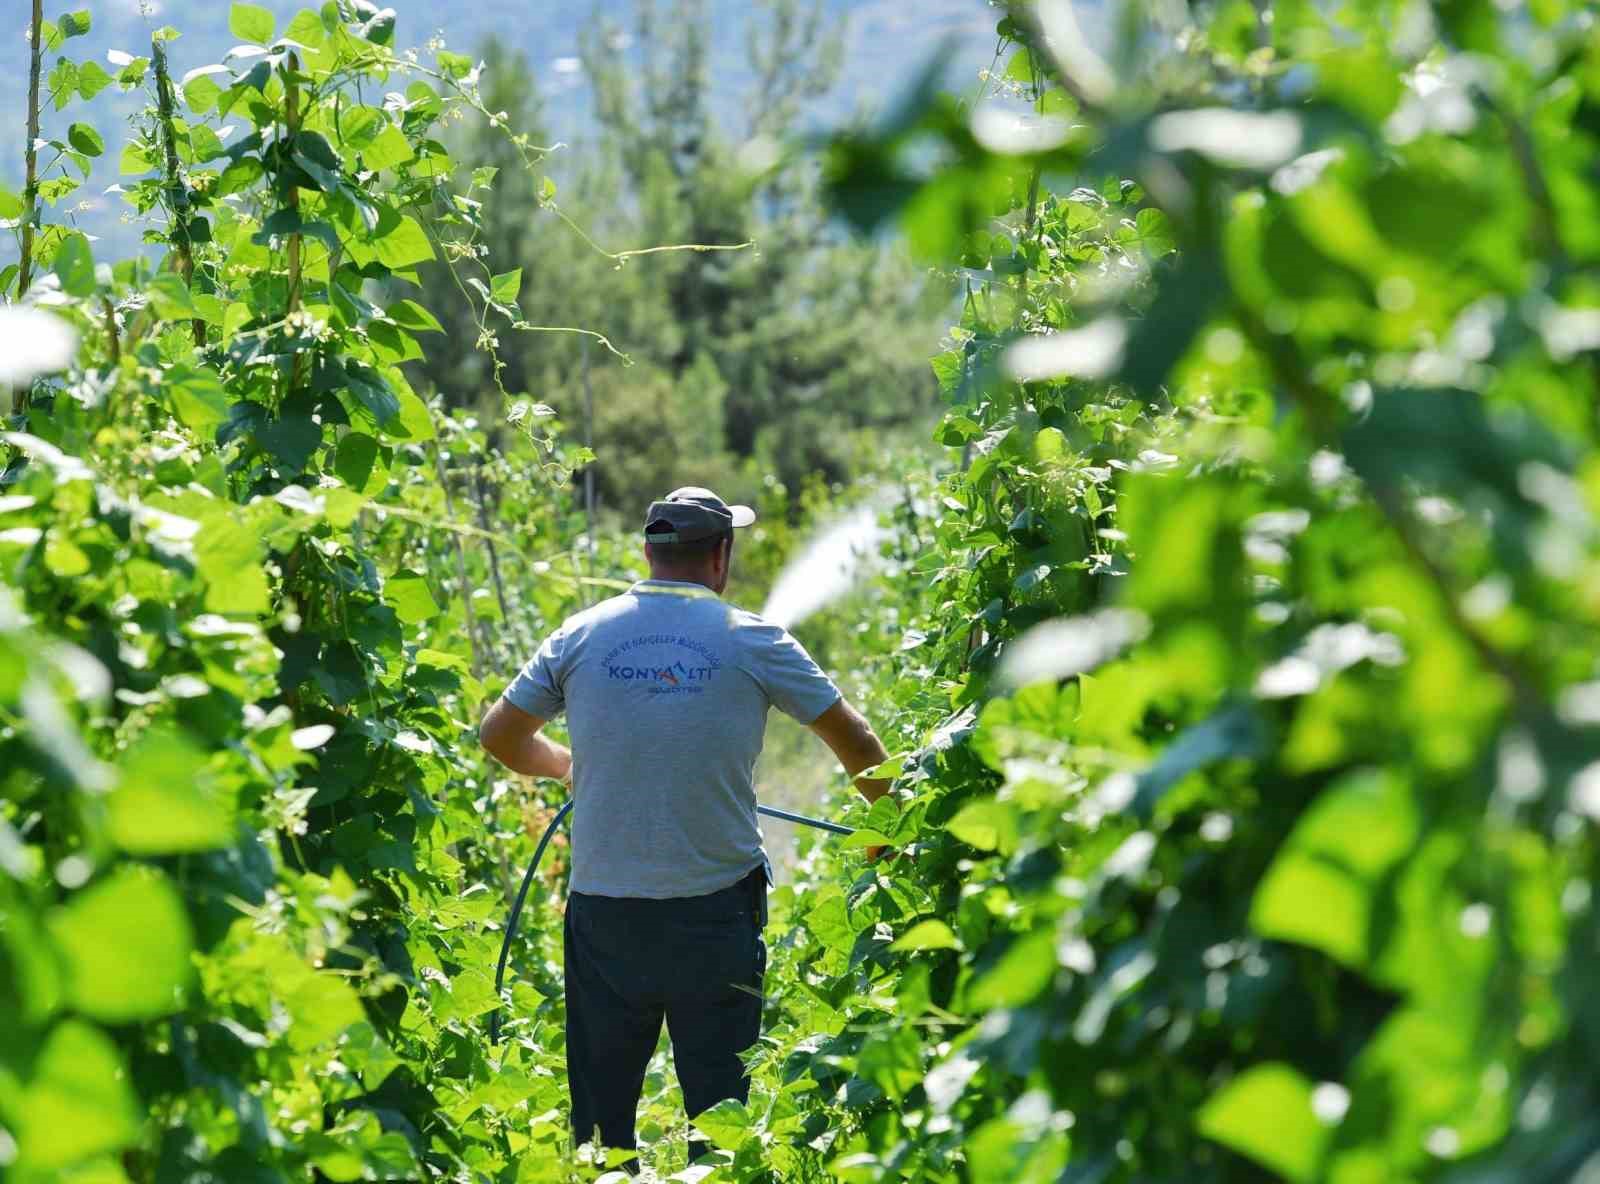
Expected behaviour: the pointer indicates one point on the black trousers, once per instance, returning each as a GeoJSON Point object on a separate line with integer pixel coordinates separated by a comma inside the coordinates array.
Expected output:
{"type": "Point", "coordinates": [695, 961]}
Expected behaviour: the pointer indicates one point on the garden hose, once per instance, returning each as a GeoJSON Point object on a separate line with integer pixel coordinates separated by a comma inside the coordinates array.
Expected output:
{"type": "Point", "coordinates": [533, 865]}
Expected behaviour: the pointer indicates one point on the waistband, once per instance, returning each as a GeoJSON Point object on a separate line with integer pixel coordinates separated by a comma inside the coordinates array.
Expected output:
{"type": "Point", "coordinates": [746, 896]}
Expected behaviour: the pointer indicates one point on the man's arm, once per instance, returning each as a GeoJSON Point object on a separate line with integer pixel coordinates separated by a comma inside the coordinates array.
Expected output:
{"type": "Point", "coordinates": [846, 731]}
{"type": "Point", "coordinates": [511, 736]}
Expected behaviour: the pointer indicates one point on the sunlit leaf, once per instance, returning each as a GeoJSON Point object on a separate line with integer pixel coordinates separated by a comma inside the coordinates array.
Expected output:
{"type": "Point", "coordinates": [931, 934]}
{"type": "Point", "coordinates": [165, 801]}
{"type": "Point", "coordinates": [1266, 1113]}
{"type": "Point", "coordinates": [77, 1102]}
{"type": "Point", "coordinates": [407, 593]}
{"type": "Point", "coordinates": [74, 266]}
{"type": "Point", "coordinates": [125, 940]}
{"type": "Point", "coordinates": [250, 22]}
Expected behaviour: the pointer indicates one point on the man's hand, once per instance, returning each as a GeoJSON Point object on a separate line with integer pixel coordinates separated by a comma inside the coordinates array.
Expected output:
{"type": "Point", "coordinates": [511, 736]}
{"type": "Point", "coordinates": [846, 731]}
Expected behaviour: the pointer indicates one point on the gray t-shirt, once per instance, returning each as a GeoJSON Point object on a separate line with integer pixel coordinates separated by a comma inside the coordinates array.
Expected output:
{"type": "Point", "coordinates": [666, 690]}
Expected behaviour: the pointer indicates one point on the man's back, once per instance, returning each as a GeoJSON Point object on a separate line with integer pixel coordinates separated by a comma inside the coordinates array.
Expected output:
{"type": "Point", "coordinates": [666, 690]}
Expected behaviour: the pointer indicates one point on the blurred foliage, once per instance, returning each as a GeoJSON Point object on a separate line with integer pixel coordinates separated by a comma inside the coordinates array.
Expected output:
{"type": "Point", "coordinates": [1246, 670]}
{"type": "Point", "coordinates": [800, 351]}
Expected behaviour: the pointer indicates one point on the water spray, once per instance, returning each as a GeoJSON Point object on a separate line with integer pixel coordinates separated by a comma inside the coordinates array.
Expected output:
{"type": "Point", "coordinates": [830, 564]}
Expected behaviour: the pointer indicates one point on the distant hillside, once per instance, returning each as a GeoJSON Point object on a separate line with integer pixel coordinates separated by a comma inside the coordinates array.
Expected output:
{"type": "Point", "coordinates": [887, 41]}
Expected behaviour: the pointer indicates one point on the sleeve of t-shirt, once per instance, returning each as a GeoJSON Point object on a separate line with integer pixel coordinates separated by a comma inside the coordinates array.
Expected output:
{"type": "Point", "coordinates": [791, 679]}
{"type": "Point", "coordinates": [537, 688]}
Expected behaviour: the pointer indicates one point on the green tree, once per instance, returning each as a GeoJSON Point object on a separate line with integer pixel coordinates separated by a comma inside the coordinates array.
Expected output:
{"type": "Point", "coordinates": [796, 354]}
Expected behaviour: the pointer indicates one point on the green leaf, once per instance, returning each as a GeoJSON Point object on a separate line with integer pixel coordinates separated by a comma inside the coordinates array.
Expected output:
{"type": "Point", "coordinates": [862, 837]}
{"type": "Point", "coordinates": [63, 82]}
{"type": "Point", "coordinates": [1234, 730]}
{"type": "Point", "coordinates": [74, 266]}
{"type": "Point", "coordinates": [92, 79]}
{"type": "Point", "coordinates": [380, 28]}
{"type": "Point", "coordinates": [77, 1103]}
{"type": "Point", "coordinates": [1321, 889]}
{"type": "Point", "coordinates": [1024, 970]}
{"type": "Point", "coordinates": [198, 399]}
{"type": "Point", "coordinates": [389, 148]}
{"type": "Point", "coordinates": [65, 558]}
{"type": "Point", "coordinates": [374, 392]}
{"type": "Point", "coordinates": [408, 314]}
{"type": "Point", "coordinates": [169, 297]}
{"type": "Point", "coordinates": [321, 1006]}
{"type": "Point", "coordinates": [356, 464]}
{"type": "Point", "coordinates": [10, 204]}
{"type": "Point", "coordinates": [727, 1124]}
{"type": "Point", "coordinates": [125, 941]}
{"type": "Point", "coordinates": [307, 28]}
{"type": "Point", "coordinates": [359, 126]}
{"type": "Point", "coordinates": [931, 934]}
{"type": "Point", "coordinates": [892, 1059]}
{"type": "Point", "coordinates": [85, 139]}
{"type": "Point", "coordinates": [407, 593]}
{"type": "Point", "coordinates": [317, 158]}
{"type": "Point", "coordinates": [201, 93]}
{"type": "Point", "coordinates": [828, 919]}
{"type": "Point", "coordinates": [134, 161]}
{"type": "Point", "coordinates": [1265, 1114]}
{"type": "Point", "coordinates": [507, 286]}
{"type": "Point", "coordinates": [285, 222]}
{"type": "Point", "coordinates": [133, 73]}
{"type": "Point", "coordinates": [249, 22]}
{"type": "Point", "coordinates": [412, 421]}
{"type": "Point", "coordinates": [291, 438]}
{"type": "Point", "coordinates": [75, 24]}
{"type": "Point", "coordinates": [166, 802]}
{"type": "Point", "coordinates": [401, 243]}
{"type": "Point", "coordinates": [228, 554]}
{"type": "Point", "coordinates": [987, 825]}
{"type": "Point", "coordinates": [456, 65]}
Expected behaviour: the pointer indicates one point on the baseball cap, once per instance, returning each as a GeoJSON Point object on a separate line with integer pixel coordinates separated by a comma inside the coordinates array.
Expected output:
{"type": "Point", "coordinates": [693, 513]}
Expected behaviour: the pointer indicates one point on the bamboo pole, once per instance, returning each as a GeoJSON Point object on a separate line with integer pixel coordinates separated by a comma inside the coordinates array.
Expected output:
{"type": "Point", "coordinates": [30, 192]}
{"type": "Point", "coordinates": [291, 106]}
{"type": "Point", "coordinates": [177, 195]}
{"type": "Point", "coordinates": [461, 565]}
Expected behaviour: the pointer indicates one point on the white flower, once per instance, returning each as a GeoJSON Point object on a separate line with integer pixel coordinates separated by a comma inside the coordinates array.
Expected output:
{"type": "Point", "coordinates": [33, 342]}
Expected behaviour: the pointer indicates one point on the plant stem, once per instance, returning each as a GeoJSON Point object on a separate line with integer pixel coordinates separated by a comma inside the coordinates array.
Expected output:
{"type": "Point", "coordinates": [30, 192]}
{"type": "Point", "coordinates": [461, 564]}
{"type": "Point", "coordinates": [494, 557]}
{"type": "Point", "coordinates": [115, 350]}
{"type": "Point", "coordinates": [177, 195]}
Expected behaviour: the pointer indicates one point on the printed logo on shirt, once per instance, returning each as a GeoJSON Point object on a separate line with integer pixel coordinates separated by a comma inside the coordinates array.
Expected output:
{"type": "Point", "coordinates": [627, 663]}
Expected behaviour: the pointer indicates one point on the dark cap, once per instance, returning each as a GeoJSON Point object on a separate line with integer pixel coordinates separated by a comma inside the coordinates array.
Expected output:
{"type": "Point", "coordinates": [691, 514]}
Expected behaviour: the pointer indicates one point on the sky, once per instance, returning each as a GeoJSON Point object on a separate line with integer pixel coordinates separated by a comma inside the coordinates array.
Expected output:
{"type": "Point", "coordinates": [886, 44]}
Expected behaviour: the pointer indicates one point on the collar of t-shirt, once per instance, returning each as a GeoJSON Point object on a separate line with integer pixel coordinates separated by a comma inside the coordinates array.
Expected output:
{"type": "Point", "coordinates": [672, 588]}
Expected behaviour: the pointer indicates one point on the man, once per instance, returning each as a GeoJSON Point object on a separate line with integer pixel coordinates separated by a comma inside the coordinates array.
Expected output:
{"type": "Point", "coordinates": [666, 689]}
